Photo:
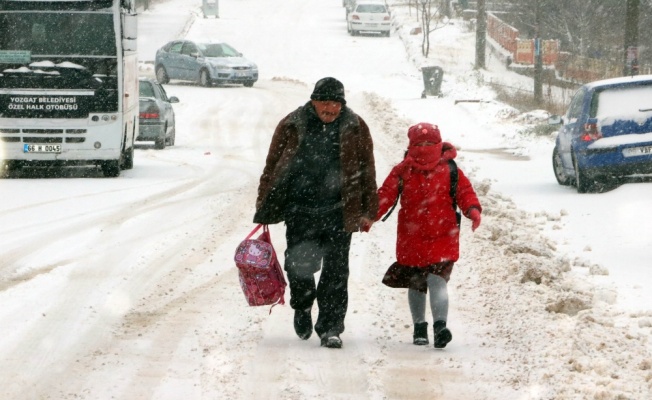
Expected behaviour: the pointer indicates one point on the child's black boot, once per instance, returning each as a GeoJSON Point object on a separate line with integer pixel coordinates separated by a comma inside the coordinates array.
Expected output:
{"type": "Point", "coordinates": [420, 336]}
{"type": "Point", "coordinates": [442, 334]}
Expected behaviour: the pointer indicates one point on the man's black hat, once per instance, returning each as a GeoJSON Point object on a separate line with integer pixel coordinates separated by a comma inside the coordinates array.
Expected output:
{"type": "Point", "coordinates": [328, 89]}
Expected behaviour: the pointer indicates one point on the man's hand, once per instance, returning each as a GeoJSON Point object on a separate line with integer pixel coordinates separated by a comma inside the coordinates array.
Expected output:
{"type": "Point", "coordinates": [365, 224]}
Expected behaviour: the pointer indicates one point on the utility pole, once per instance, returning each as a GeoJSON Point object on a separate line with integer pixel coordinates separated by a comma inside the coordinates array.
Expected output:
{"type": "Point", "coordinates": [630, 57]}
{"type": "Point", "coordinates": [538, 56]}
{"type": "Point", "coordinates": [481, 35]}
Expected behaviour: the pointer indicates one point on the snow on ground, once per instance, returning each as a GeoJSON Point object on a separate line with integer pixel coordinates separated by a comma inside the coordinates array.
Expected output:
{"type": "Point", "coordinates": [126, 288]}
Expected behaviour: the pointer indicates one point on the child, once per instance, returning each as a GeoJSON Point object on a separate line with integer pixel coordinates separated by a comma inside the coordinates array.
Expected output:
{"type": "Point", "coordinates": [429, 186]}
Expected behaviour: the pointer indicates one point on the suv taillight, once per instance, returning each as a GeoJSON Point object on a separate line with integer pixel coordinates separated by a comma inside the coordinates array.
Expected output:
{"type": "Point", "coordinates": [590, 131]}
{"type": "Point", "coordinates": [151, 113]}
{"type": "Point", "coordinates": [355, 17]}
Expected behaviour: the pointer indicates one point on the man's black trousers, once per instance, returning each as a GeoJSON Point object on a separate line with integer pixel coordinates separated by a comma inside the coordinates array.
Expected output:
{"type": "Point", "coordinates": [315, 241]}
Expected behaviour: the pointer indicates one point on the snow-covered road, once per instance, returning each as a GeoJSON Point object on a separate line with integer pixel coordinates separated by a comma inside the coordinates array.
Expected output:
{"type": "Point", "coordinates": [126, 288]}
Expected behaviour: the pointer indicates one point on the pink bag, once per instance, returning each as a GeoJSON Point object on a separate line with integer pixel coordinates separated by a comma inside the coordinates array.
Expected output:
{"type": "Point", "coordinates": [261, 276]}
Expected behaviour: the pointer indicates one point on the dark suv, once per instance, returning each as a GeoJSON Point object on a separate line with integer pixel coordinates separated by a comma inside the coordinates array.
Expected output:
{"type": "Point", "coordinates": [606, 133]}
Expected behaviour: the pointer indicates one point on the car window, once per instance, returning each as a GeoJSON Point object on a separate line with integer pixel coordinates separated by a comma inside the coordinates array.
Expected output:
{"type": "Point", "coordinates": [575, 107]}
{"type": "Point", "coordinates": [160, 92]}
{"type": "Point", "coordinates": [146, 89]}
{"type": "Point", "coordinates": [229, 51]}
{"type": "Point", "coordinates": [189, 48]}
{"type": "Point", "coordinates": [371, 8]}
{"type": "Point", "coordinates": [631, 102]}
{"type": "Point", "coordinates": [176, 48]}
{"type": "Point", "coordinates": [211, 50]}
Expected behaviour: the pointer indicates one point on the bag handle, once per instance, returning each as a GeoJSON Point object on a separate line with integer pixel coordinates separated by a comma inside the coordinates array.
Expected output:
{"type": "Point", "coordinates": [256, 230]}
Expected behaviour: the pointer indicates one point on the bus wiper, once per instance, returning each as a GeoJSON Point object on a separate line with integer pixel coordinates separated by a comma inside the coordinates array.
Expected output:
{"type": "Point", "coordinates": [49, 74]}
{"type": "Point", "coordinates": [28, 71]}
{"type": "Point", "coordinates": [64, 68]}
{"type": "Point", "coordinates": [50, 68]}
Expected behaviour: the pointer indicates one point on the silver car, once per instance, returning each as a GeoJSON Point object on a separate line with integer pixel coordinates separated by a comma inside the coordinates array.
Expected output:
{"type": "Point", "coordinates": [205, 63]}
{"type": "Point", "coordinates": [156, 117]}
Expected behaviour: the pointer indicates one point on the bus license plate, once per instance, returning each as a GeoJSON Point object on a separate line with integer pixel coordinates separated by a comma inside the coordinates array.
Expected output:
{"type": "Point", "coordinates": [42, 148]}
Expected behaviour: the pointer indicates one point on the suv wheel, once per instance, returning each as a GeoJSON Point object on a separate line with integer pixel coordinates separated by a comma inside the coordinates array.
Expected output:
{"type": "Point", "coordinates": [582, 181]}
{"type": "Point", "coordinates": [162, 75]}
{"type": "Point", "coordinates": [159, 144]}
{"type": "Point", "coordinates": [558, 168]}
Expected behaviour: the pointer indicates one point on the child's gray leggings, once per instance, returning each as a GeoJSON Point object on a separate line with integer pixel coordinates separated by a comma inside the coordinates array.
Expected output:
{"type": "Point", "coordinates": [438, 300]}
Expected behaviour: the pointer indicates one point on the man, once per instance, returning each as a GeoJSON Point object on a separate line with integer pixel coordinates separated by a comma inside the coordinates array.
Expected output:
{"type": "Point", "coordinates": [319, 178]}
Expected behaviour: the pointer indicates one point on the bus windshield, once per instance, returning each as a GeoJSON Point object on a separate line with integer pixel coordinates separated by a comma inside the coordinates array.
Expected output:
{"type": "Point", "coordinates": [63, 33]}
{"type": "Point", "coordinates": [59, 50]}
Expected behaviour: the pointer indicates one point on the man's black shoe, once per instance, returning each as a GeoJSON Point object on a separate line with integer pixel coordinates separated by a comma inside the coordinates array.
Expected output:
{"type": "Point", "coordinates": [303, 323]}
{"type": "Point", "coordinates": [332, 341]}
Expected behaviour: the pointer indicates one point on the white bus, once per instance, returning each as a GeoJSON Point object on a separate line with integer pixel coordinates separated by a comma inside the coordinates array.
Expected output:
{"type": "Point", "coordinates": [68, 84]}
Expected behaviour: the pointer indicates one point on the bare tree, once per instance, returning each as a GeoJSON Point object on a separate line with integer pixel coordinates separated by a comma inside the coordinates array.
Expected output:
{"type": "Point", "coordinates": [431, 20]}
{"type": "Point", "coordinates": [588, 28]}
{"type": "Point", "coordinates": [584, 27]}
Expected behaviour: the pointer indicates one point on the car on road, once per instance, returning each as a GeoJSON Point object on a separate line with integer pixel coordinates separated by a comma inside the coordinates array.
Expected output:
{"type": "Point", "coordinates": [204, 63]}
{"type": "Point", "coordinates": [156, 116]}
{"type": "Point", "coordinates": [368, 16]}
{"type": "Point", "coordinates": [606, 133]}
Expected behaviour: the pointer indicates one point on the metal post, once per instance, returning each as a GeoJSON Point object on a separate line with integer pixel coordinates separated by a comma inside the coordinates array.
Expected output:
{"type": "Point", "coordinates": [481, 35]}
{"type": "Point", "coordinates": [631, 36]}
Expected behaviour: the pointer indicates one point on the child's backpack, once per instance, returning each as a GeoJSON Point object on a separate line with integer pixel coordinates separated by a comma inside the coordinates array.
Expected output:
{"type": "Point", "coordinates": [261, 276]}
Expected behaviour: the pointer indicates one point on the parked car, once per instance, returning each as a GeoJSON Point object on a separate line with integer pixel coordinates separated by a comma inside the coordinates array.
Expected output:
{"type": "Point", "coordinates": [205, 63]}
{"type": "Point", "coordinates": [368, 16]}
{"type": "Point", "coordinates": [605, 134]}
{"type": "Point", "coordinates": [156, 117]}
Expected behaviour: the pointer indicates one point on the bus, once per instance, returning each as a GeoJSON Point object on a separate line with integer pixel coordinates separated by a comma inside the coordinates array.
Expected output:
{"type": "Point", "coordinates": [68, 84]}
